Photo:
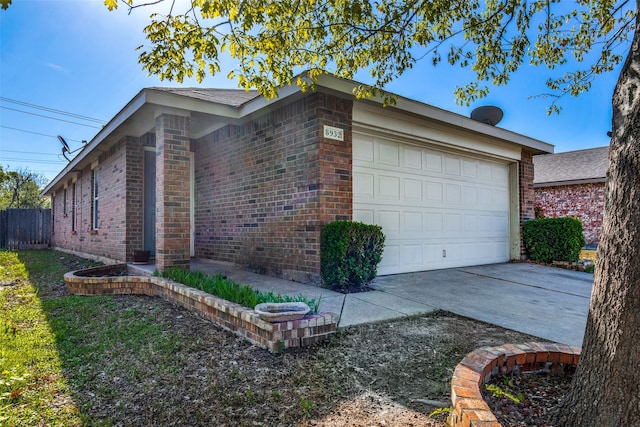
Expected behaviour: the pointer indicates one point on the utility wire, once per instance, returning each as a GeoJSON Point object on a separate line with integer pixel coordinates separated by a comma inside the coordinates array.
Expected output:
{"type": "Point", "coordinates": [49, 117]}
{"type": "Point", "coordinates": [36, 133]}
{"type": "Point", "coordinates": [28, 152]}
{"type": "Point", "coordinates": [12, 159]}
{"type": "Point", "coordinates": [53, 110]}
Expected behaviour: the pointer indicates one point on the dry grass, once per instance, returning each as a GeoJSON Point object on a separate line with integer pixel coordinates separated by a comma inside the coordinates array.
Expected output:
{"type": "Point", "coordinates": [135, 360]}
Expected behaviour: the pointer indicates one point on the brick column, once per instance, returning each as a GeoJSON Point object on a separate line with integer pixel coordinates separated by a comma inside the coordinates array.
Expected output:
{"type": "Point", "coordinates": [527, 194]}
{"type": "Point", "coordinates": [173, 183]}
{"type": "Point", "coordinates": [135, 186]}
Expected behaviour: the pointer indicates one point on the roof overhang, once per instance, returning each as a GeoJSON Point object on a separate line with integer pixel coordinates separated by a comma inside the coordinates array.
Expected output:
{"type": "Point", "coordinates": [138, 117]}
{"type": "Point", "coordinates": [571, 182]}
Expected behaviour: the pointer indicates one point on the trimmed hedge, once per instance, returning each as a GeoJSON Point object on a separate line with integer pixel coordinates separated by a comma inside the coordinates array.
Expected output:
{"type": "Point", "coordinates": [349, 254]}
{"type": "Point", "coordinates": [553, 239]}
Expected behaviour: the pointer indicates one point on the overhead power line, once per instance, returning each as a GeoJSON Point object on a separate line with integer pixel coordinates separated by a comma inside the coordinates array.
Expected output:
{"type": "Point", "coordinates": [53, 110]}
{"type": "Point", "coordinates": [49, 117]}
{"type": "Point", "coordinates": [36, 133]}
{"type": "Point", "coordinates": [28, 152]}
{"type": "Point", "coordinates": [48, 162]}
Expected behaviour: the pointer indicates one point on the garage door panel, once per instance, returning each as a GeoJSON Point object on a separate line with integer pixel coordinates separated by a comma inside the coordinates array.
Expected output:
{"type": "Point", "coordinates": [453, 223]}
{"type": "Point", "coordinates": [366, 216]}
{"type": "Point", "coordinates": [363, 184]}
{"type": "Point", "coordinates": [363, 151]}
{"type": "Point", "coordinates": [412, 158]}
{"type": "Point", "coordinates": [412, 190]}
{"type": "Point", "coordinates": [437, 209]}
{"type": "Point", "coordinates": [412, 222]}
{"type": "Point", "coordinates": [435, 191]}
{"type": "Point", "coordinates": [433, 161]}
{"type": "Point", "coordinates": [389, 187]}
{"type": "Point", "coordinates": [453, 193]}
{"type": "Point", "coordinates": [389, 221]}
{"type": "Point", "coordinates": [388, 153]}
{"type": "Point", "coordinates": [469, 168]}
{"type": "Point", "coordinates": [390, 259]}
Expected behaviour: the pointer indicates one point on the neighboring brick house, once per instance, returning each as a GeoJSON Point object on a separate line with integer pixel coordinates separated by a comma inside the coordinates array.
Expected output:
{"type": "Point", "coordinates": [572, 184]}
{"type": "Point", "coordinates": [230, 176]}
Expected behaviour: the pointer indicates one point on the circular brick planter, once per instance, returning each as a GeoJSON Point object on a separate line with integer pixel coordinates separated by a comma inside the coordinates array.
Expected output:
{"type": "Point", "coordinates": [468, 407]}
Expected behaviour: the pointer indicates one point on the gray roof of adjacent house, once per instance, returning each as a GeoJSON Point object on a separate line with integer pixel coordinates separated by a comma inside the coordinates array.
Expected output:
{"type": "Point", "coordinates": [572, 167]}
{"type": "Point", "coordinates": [230, 97]}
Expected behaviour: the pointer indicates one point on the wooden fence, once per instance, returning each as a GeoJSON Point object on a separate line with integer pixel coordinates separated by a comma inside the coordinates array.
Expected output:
{"type": "Point", "coordinates": [25, 228]}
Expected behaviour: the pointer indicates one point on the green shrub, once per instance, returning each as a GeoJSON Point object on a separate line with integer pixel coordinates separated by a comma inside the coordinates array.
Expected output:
{"type": "Point", "coordinates": [553, 239]}
{"type": "Point", "coordinates": [350, 253]}
{"type": "Point", "coordinates": [229, 290]}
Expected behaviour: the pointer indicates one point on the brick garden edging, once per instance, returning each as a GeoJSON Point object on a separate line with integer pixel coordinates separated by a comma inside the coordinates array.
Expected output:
{"type": "Point", "coordinates": [240, 320]}
{"type": "Point", "coordinates": [468, 407]}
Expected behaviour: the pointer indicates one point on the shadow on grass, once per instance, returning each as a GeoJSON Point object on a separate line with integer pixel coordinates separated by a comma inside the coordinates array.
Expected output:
{"type": "Point", "coordinates": [138, 360]}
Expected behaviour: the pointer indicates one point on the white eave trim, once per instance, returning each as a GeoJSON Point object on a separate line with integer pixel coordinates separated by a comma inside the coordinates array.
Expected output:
{"type": "Point", "coordinates": [134, 105]}
{"type": "Point", "coordinates": [443, 116]}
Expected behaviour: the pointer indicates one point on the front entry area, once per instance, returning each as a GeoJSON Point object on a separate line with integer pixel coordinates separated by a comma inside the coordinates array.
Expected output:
{"type": "Point", "coordinates": [438, 208]}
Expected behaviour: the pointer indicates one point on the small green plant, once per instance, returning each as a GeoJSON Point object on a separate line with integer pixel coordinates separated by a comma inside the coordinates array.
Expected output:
{"type": "Point", "coordinates": [553, 239]}
{"type": "Point", "coordinates": [439, 411]}
{"type": "Point", "coordinates": [275, 394]}
{"type": "Point", "coordinates": [350, 253]}
{"type": "Point", "coordinates": [229, 290]}
{"type": "Point", "coordinates": [307, 407]}
{"type": "Point", "coordinates": [251, 397]}
{"type": "Point", "coordinates": [498, 392]}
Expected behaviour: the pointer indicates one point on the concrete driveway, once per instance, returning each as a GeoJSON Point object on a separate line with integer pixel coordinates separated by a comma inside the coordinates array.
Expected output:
{"type": "Point", "coordinates": [547, 302]}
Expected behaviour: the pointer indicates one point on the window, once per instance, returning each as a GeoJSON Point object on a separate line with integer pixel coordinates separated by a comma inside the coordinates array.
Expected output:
{"type": "Point", "coordinates": [74, 216]}
{"type": "Point", "coordinates": [64, 202]}
{"type": "Point", "coordinates": [94, 198]}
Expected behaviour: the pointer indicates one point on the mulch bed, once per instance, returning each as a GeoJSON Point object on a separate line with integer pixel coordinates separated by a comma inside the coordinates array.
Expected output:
{"type": "Point", "coordinates": [541, 396]}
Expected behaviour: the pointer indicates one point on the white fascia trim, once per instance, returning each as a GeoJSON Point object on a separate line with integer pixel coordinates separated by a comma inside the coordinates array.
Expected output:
{"type": "Point", "coordinates": [134, 105]}
{"type": "Point", "coordinates": [428, 111]}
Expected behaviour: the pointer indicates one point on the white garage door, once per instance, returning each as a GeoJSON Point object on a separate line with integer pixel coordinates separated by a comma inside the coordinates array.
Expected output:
{"type": "Point", "coordinates": [437, 209]}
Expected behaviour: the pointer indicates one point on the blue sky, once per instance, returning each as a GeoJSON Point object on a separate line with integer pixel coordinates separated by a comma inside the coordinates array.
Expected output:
{"type": "Point", "coordinates": [74, 56]}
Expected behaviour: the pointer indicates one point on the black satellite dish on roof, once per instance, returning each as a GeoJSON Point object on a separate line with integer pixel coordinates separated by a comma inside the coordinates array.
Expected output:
{"type": "Point", "coordinates": [65, 147]}
{"type": "Point", "coordinates": [488, 114]}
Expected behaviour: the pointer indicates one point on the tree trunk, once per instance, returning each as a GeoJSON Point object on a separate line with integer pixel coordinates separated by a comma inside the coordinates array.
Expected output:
{"type": "Point", "coordinates": [606, 387]}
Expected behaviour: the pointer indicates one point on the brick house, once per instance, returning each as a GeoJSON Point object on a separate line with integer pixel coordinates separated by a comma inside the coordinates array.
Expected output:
{"type": "Point", "coordinates": [230, 176]}
{"type": "Point", "coordinates": [572, 184]}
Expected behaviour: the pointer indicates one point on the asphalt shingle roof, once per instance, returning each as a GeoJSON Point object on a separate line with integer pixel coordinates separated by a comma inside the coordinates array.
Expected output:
{"type": "Point", "coordinates": [589, 164]}
{"type": "Point", "coordinates": [230, 97]}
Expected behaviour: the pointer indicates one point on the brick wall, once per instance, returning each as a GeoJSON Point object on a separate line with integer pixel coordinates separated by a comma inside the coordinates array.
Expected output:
{"type": "Point", "coordinates": [173, 198]}
{"type": "Point", "coordinates": [527, 194]}
{"type": "Point", "coordinates": [585, 201]}
{"type": "Point", "coordinates": [265, 188]}
{"type": "Point", "coordinates": [118, 232]}
{"type": "Point", "coordinates": [134, 186]}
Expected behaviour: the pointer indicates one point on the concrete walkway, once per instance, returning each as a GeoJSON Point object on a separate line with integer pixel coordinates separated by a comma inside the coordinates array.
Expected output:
{"type": "Point", "coordinates": [546, 302]}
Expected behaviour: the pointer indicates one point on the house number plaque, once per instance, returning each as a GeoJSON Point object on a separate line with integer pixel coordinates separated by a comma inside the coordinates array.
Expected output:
{"type": "Point", "coordinates": [333, 133]}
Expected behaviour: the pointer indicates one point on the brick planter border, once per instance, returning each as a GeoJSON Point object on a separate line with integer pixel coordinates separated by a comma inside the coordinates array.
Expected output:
{"type": "Point", "coordinates": [233, 317]}
{"type": "Point", "coordinates": [468, 407]}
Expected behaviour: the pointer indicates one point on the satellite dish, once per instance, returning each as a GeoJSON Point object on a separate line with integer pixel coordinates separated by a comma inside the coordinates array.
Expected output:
{"type": "Point", "coordinates": [65, 147]}
{"type": "Point", "coordinates": [488, 114]}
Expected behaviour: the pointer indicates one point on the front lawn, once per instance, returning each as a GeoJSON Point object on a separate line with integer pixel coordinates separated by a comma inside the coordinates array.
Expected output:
{"type": "Point", "coordinates": [135, 360]}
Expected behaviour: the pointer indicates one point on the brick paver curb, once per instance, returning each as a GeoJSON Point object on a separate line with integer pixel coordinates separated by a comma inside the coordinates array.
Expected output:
{"type": "Point", "coordinates": [468, 407]}
{"type": "Point", "coordinates": [240, 320]}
